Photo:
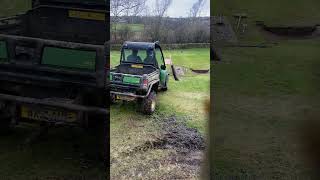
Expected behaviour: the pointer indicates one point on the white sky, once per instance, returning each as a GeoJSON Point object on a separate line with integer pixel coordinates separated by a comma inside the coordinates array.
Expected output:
{"type": "Point", "coordinates": [180, 8]}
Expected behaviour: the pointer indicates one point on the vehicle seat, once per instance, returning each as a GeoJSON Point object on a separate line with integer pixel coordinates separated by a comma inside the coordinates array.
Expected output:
{"type": "Point", "coordinates": [149, 60]}
{"type": "Point", "coordinates": [134, 59]}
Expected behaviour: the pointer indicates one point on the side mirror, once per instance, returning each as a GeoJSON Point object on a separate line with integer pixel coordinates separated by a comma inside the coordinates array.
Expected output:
{"type": "Point", "coordinates": [163, 67]}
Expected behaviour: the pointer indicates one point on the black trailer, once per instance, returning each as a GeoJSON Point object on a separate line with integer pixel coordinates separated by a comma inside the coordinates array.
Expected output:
{"type": "Point", "coordinates": [54, 67]}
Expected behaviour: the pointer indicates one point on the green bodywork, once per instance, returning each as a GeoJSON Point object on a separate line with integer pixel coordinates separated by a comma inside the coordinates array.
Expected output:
{"type": "Point", "coordinates": [69, 58]}
{"type": "Point", "coordinates": [3, 51]}
{"type": "Point", "coordinates": [163, 77]}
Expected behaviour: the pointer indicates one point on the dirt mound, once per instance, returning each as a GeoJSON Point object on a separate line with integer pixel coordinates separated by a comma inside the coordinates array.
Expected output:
{"type": "Point", "coordinates": [175, 135]}
{"type": "Point", "coordinates": [179, 136]}
{"type": "Point", "coordinates": [291, 31]}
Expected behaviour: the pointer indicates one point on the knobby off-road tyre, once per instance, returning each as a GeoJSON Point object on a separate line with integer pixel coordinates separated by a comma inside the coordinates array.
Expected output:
{"type": "Point", "coordinates": [149, 103]}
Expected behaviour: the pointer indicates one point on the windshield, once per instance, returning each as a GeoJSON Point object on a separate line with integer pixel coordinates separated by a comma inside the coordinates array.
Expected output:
{"type": "Point", "coordinates": [138, 56]}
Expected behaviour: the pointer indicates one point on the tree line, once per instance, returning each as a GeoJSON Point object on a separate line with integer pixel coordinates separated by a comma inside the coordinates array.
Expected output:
{"type": "Point", "coordinates": [155, 25]}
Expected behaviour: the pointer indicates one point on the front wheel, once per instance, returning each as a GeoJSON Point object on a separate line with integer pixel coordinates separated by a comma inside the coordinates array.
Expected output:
{"type": "Point", "coordinates": [149, 103]}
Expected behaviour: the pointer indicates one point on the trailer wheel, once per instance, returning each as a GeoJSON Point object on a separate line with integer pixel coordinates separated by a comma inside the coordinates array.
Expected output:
{"type": "Point", "coordinates": [149, 103]}
{"type": "Point", "coordinates": [103, 138]}
{"type": "Point", "coordinates": [99, 129]}
{"type": "Point", "coordinates": [97, 124]}
{"type": "Point", "coordinates": [5, 123]}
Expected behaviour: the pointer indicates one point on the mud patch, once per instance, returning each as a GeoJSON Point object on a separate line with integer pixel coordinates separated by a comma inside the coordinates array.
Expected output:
{"type": "Point", "coordinates": [180, 137]}
{"type": "Point", "coordinates": [175, 135]}
{"type": "Point", "coordinates": [180, 70]}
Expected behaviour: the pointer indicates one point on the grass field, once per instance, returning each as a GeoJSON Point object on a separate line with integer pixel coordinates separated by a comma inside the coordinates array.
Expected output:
{"type": "Point", "coordinates": [129, 128]}
{"type": "Point", "coordinates": [12, 7]}
{"type": "Point", "coordinates": [181, 94]}
{"type": "Point", "coordinates": [273, 12]}
{"type": "Point", "coordinates": [133, 27]}
{"type": "Point", "coordinates": [64, 152]}
{"type": "Point", "coordinates": [261, 95]}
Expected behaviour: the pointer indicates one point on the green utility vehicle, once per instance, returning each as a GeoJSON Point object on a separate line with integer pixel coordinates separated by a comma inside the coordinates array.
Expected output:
{"type": "Point", "coordinates": [53, 67]}
{"type": "Point", "coordinates": [141, 73]}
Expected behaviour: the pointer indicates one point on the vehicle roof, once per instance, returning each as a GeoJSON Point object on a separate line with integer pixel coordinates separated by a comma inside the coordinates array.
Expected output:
{"type": "Point", "coordinates": [140, 45]}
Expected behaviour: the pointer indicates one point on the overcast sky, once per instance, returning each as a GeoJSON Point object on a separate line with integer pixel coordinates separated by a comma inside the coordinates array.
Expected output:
{"type": "Point", "coordinates": [180, 8]}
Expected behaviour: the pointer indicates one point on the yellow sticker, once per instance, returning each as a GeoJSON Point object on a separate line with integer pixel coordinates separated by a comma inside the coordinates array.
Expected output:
{"type": "Point", "coordinates": [87, 15]}
{"type": "Point", "coordinates": [137, 66]}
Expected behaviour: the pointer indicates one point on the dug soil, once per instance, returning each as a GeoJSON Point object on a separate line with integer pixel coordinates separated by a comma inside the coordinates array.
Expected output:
{"type": "Point", "coordinates": [185, 146]}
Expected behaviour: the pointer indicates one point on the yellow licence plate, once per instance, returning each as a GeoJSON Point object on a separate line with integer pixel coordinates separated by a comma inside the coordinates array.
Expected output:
{"type": "Point", "coordinates": [125, 98]}
{"type": "Point", "coordinates": [43, 114]}
{"type": "Point", "coordinates": [87, 15]}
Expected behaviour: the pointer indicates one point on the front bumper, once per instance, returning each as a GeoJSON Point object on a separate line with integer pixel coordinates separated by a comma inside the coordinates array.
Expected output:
{"type": "Point", "coordinates": [129, 91]}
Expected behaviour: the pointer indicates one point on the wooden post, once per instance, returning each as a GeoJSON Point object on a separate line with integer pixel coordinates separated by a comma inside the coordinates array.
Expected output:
{"type": "Point", "coordinates": [239, 16]}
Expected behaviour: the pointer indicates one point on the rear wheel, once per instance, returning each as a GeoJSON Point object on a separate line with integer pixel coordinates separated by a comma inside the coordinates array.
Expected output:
{"type": "Point", "coordinates": [149, 103]}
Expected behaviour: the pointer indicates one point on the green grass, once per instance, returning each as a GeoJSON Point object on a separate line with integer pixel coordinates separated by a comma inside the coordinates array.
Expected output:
{"type": "Point", "coordinates": [12, 7]}
{"type": "Point", "coordinates": [191, 58]}
{"type": "Point", "coordinates": [184, 99]}
{"type": "Point", "coordinates": [260, 96]}
{"type": "Point", "coordinates": [133, 27]}
{"type": "Point", "coordinates": [275, 12]}
{"type": "Point", "coordinates": [53, 156]}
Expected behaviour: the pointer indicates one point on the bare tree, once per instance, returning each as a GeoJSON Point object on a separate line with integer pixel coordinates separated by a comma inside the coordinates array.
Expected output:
{"type": "Point", "coordinates": [197, 8]}
{"type": "Point", "coordinates": [160, 9]}
{"type": "Point", "coordinates": [124, 7]}
{"type": "Point", "coordinates": [197, 31]}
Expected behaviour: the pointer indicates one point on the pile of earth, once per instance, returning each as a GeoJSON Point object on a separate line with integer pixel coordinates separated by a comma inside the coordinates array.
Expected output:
{"type": "Point", "coordinates": [290, 31]}
{"type": "Point", "coordinates": [178, 136]}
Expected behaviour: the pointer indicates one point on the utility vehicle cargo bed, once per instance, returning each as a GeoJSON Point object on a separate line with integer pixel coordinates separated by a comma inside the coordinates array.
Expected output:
{"type": "Point", "coordinates": [134, 69]}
